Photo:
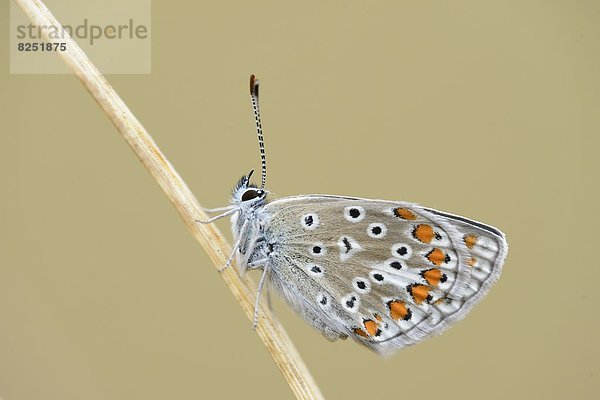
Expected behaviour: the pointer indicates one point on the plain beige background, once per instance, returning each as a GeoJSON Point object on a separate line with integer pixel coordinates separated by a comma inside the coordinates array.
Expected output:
{"type": "Point", "coordinates": [485, 109]}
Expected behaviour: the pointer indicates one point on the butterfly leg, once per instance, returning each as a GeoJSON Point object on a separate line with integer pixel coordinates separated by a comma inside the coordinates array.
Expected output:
{"type": "Point", "coordinates": [218, 209]}
{"type": "Point", "coordinates": [261, 284]}
{"type": "Point", "coordinates": [235, 247]}
{"type": "Point", "coordinates": [269, 304]}
{"type": "Point", "coordinates": [258, 263]}
{"type": "Point", "coordinates": [208, 221]}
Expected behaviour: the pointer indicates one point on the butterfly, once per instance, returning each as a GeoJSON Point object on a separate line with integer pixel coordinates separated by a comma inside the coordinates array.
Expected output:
{"type": "Point", "coordinates": [387, 274]}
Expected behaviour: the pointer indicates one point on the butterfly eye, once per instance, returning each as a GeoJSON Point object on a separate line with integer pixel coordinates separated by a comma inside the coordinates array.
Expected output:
{"type": "Point", "coordinates": [252, 194]}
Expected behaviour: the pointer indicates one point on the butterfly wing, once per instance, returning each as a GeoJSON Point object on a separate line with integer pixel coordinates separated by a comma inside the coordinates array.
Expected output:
{"type": "Point", "coordinates": [387, 274]}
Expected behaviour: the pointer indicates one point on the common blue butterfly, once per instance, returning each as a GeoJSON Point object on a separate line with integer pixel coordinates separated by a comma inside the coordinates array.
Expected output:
{"type": "Point", "coordinates": [388, 274]}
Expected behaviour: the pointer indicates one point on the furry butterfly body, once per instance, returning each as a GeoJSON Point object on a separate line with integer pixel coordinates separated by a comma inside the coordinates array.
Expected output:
{"type": "Point", "coordinates": [388, 274]}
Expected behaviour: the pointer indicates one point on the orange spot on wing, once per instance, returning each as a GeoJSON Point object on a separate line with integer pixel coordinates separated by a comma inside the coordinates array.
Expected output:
{"type": "Point", "coordinates": [404, 213]}
{"type": "Point", "coordinates": [371, 327]}
{"type": "Point", "coordinates": [436, 256]}
{"type": "Point", "coordinates": [378, 317]}
{"type": "Point", "coordinates": [423, 233]}
{"type": "Point", "coordinates": [398, 310]}
{"type": "Point", "coordinates": [433, 276]}
{"type": "Point", "coordinates": [420, 293]}
{"type": "Point", "coordinates": [471, 261]}
{"type": "Point", "coordinates": [360, 332]}
{"type": "Point", "coordinates": [470, 240]}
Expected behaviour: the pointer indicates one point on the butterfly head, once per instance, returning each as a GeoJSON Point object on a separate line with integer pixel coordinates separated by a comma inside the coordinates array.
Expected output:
{"type": "Point", "coordinates": [246, 193]}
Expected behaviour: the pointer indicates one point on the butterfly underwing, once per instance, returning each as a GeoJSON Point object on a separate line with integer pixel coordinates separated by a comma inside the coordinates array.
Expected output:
{"type": "Point", "coordinates": [387, 274]}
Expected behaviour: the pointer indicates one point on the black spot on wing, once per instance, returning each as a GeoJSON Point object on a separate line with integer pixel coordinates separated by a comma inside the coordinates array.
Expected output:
{"type": "Point", "coordinates": [347, 244]}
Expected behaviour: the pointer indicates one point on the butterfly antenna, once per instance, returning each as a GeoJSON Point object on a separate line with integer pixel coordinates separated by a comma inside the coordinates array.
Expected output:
{"type": "Point", "coordinates": [261, 142]}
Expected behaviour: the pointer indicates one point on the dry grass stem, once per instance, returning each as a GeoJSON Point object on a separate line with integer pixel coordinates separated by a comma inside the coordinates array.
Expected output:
{"type": "Point", "coordinates": [272, 334]}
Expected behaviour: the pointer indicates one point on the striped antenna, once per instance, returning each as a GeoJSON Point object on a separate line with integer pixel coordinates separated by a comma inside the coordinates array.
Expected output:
{"type": "Point", "coordinates": [261, 142]}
